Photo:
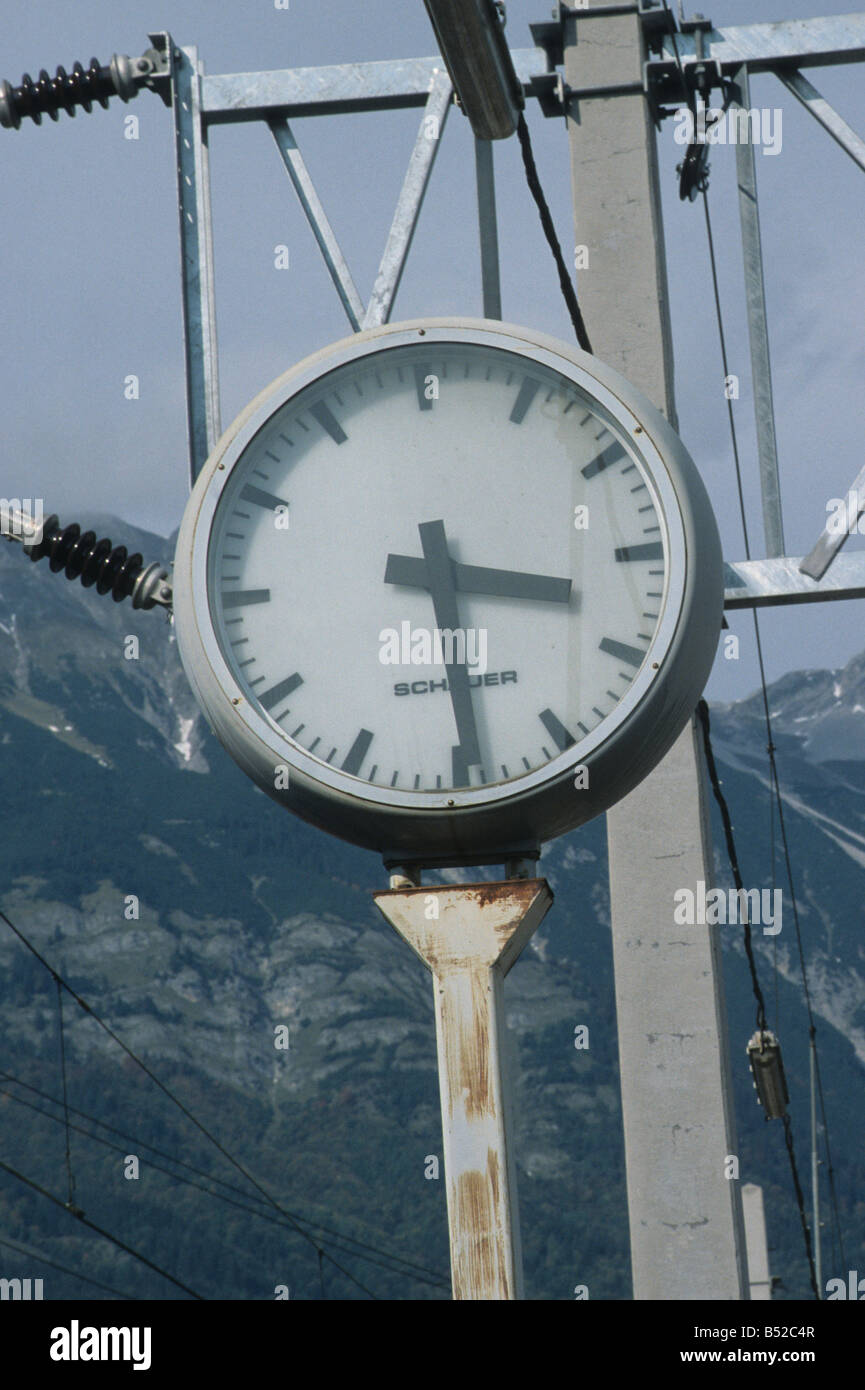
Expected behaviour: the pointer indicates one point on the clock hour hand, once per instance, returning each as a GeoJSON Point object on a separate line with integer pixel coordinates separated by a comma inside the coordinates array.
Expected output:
{"type": "Point", "coordinates": [480, 579]}
{"type": "Point", "coordinates": [439, 581]}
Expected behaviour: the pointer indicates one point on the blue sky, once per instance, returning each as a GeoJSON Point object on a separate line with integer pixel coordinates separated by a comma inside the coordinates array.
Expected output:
{"type": "Point", "coordinates": [91, 270]}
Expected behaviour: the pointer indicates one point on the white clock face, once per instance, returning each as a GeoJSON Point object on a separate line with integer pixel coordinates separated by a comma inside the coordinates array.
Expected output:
{"type": "Point", "coordinates": [440, 566]}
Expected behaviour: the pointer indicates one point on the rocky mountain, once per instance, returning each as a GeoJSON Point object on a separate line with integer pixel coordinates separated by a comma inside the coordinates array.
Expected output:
{"type": "Point", "coordinates": [196, 919]}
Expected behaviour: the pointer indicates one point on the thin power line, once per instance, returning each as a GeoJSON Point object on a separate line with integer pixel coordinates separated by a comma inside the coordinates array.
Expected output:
{"type": "Point", "coordinates": [100, 1231]}
{"type": "Point", "coordinates": [82, 1003]}
{"type": "Point", "coordinates": [537, 193]}
{"type": "Point", "coordinates": [770, 749]}
{"type": "Point", "coordinates": [64, 1269]}
{"type": "Point", "coordinates": [392, 1263]}
{"type": "Point", "coordinates": [703, 715]}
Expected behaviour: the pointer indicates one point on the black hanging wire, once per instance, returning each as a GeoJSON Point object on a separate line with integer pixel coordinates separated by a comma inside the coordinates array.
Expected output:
{"type": "Point", "coordinates": [69, 1174]}
{"type": "Point", "coordinates": [64, 1269]}
{"type": "Point", "coordinates": [393, 1264]}
{"type": "Point", "coordinates": [703, 716]}
{"type": "Point", "coordinates": [770, 743]}
{"type": "Point", "coordinates": [82, 1003]}
{"type": "Point", "coordinates": [770, 747]}
{"type": "Point", "coordinates": [537, 192]}
{"type": "Point", "coordinates": [100, 1230]}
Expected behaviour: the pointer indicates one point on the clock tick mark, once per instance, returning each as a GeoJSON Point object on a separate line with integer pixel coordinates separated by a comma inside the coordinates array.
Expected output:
{"type": "Point", "coordinates": [250, 661]}
{"type": "Point", "coordinates": [259, 498]}
{"type": "Point", "coordinates": [647, 530]}
{"type": "Point", "coordinates": [525, 396]}
{"type": "Point", "coordinates": [631, 468]}
{"type": "Point", "coordinates": [649, 550]}
{"type": "Point", "coordinates": [237, 512]}
{"type": "Point", "coordinates": [257, 681]}
{"type": "Point", "coordinates": [312, 747]}
{"type": "Point", "coordinates": [581, 725]}
{"type": "Point", "coordinates": [598, 712]}
{"type": "Point", "coordinates": [241, 598]}
{"type": "Point", "coordinates": [561, 736]}
{"type": "Point", "coordinates": [622, 651]}
{"type": "Point", "coordinates": [421, 372]}
{"type": "Point", "coordinates": [331, 755]}
{"type": "Point", "coordinates": [374, 770]}
{"type": "Point", "coordinates": [298, 730]}
{"type": "Point", "coordinates": [265, 476]}
{"type": "Point", "coordinates": [527, 765]}
{"type": "Point", "coordinates": [417, 781]}
{"type": "Point", "coordinates": [393, 779]}
{"type": "Point", "coordinates": [357, 752]}
{"type": "Point", "coordinates": [546, 752]}
{"type": "Point", "coordinates": [289, 442]}
{"type": "Point", "coordinates": [280, 691]}
{"type": "Point", "coordinates": [613, 453]}
{"type": "Point", "coordinates": [328, 421]}
{"type": "Point", "coordinates": [273, 456]}
{"type": "Point", "coordinates": [505, 772]}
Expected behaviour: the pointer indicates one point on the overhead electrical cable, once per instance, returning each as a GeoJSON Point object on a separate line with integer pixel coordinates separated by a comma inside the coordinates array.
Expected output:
{"type": "Point", "coordinates": [82, 1003]}
{"type": "Point", "coordinates": [394, 1264]}
{"type": "Point", "coordinates": [770, 747]}
{"type": "Point", "coordinates": [64, 1269]}
{"type": "Point", "coordinates": [565, 282]}
{"type": "Point", "coordinates": [100, 1230]}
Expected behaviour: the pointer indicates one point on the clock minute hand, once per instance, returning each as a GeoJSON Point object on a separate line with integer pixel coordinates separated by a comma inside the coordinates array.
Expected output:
{"type": "Point", "coordinates": [480, 579]}
{"type": "Point", "coordinates": [439, 581]}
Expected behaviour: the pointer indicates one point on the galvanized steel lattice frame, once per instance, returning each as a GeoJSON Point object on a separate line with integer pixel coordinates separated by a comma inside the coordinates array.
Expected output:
{"type": "Point", "coordinates": [200, 101]}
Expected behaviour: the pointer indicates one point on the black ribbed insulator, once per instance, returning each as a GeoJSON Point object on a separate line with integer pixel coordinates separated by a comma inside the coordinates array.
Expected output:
{"type": "Point", "coordinates": [80, 555]}
{"type": "Point", "coordinates": [51, 95]}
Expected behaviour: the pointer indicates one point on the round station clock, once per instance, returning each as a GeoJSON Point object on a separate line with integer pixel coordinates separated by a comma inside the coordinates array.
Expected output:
{"type": "Point", "coordinates": [448, 589]}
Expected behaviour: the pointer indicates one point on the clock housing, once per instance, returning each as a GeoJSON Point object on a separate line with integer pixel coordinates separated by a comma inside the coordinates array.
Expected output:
{"type": "Point", "coordinates": [485, 504]}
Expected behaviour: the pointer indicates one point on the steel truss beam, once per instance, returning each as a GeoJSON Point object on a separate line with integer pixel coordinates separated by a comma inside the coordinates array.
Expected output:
{"type": "Point", "coordinates": [770, 583]}
{"type": "Point", "coordinates": [331, 91]}
{"type": "Point", "coordinates": [825, 114]}
{"type": "Point", "coordinates": [798, 43]}
{"type": "Point", "coordinates": [758, 331]}
{"type": "Point", "coordinates": [275, 97]}
{"type": "Point", "coordinates": [410, 200]}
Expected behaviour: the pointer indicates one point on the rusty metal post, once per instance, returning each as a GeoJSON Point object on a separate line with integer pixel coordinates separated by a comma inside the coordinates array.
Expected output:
{"type": "Point", "coordinates": [469, 936]}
